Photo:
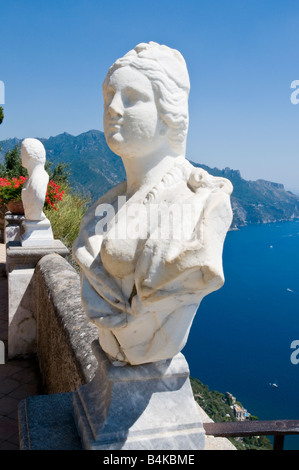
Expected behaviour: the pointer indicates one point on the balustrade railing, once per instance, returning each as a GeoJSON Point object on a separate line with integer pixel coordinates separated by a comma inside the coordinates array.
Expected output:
{"type": "Point", "coordinates": [277, 428]}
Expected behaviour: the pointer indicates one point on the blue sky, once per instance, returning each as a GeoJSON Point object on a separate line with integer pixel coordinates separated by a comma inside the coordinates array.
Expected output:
{"type": "Point", "coordinates": [242, 56]}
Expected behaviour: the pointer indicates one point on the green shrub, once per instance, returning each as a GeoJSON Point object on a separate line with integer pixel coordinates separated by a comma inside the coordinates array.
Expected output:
{"type": "Point", "coordinates": [66, 220]}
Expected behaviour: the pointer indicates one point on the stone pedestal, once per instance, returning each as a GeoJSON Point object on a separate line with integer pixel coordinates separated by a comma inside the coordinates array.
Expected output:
{"type": "Point", "coordinates": [13, 224]}
{"type": "Point", "coordinates": [37, 233]}
{"type": "Point", "coordinates": [148, 406]}
{"type": "Point", "coordinates": [145, 407]}
{"type": "Point", "coordinates": [2, 352]}
{"type": "Point", "coordinates": [21, 321]}
{"type": "Point", "coordinates": [20, 266]}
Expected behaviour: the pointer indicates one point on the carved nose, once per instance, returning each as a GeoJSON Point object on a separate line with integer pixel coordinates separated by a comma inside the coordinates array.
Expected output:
{"type": "Point", "coordinates": [116, 106]}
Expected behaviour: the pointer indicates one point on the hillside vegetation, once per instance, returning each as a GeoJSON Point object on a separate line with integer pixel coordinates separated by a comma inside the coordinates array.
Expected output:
{"type": "Point", "coordinates": [217, 407]}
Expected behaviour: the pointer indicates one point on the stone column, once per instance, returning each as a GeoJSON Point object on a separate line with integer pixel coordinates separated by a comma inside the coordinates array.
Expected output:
{"type": "Point", "coordinates": [20, 265]}
{"type": "Point", "coordinates": [13, 223]}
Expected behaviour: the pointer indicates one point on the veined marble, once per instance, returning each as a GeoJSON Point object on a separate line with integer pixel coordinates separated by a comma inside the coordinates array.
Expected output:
{"type": "Point", "coordinates": [141, 284]}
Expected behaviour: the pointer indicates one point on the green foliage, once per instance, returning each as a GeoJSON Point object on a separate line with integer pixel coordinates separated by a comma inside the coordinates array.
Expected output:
{"type": "Point", "coordinates": [12, 166]}
{"type": "Point", "coordinates": [60, 173]}
{"type": "Point", "coordinates": [66, 221]}
{"type": "Point", "coordinates": [229, 400]}
{"type": "Point", "coordinates": [212, 402]}
{"type": "Point", "coordinates": [253, 418]}
{"type": "Point", "coordinates": [1, 115]}
{"type": "Point", "coordinates": [217, 406]}
{"type": "Point", "coordinates": [257, 443]}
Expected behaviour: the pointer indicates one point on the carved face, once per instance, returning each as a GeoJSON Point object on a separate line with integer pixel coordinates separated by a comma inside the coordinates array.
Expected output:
{"type": "Point", "coordinates": [24, 157]}
{"type": "Point", "coordinates": [131, 122]}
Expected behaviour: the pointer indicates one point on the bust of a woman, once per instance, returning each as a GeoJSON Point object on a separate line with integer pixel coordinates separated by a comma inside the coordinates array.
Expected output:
{"type": "Point", "coordinates": [145, 271]}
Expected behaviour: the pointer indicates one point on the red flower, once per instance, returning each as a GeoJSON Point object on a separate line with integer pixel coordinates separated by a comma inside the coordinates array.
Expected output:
{"type": "Point", "coordinates": [11, 189]}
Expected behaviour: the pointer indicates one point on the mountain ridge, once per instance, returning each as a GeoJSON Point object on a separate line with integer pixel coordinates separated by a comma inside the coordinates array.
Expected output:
{"type": "Point", "coordinates": [95, 169]}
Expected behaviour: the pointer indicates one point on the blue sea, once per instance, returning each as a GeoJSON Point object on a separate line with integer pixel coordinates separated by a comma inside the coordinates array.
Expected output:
{"type": "Point", "coordinates": [240, 340]}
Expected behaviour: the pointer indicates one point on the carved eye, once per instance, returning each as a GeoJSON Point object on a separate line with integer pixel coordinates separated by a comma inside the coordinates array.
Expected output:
{"type": "Point", "coordinates": [131, 96]}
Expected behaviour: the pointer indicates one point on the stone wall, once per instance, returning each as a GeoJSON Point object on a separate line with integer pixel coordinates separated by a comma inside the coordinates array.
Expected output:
{"type": "Point", "coordinates": [64, 335]}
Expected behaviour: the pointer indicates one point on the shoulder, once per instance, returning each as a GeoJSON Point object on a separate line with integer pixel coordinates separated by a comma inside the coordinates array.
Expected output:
{"type": "Point", "coordinates": [199, 179]}
{"type": "Point", "coordinates": [211, 194]}
{"type": "Point", "coordinates": [106, 198]}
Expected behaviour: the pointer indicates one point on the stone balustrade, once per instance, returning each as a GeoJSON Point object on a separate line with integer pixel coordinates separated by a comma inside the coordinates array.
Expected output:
{"type": "Point", "coordinates": [63, 333]}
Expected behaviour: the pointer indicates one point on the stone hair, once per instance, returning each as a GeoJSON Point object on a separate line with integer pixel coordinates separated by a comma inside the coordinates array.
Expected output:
{"type": "Point", "coordinates": [166, 69]}
{"type": "Point", "coordinates": [34, 150]}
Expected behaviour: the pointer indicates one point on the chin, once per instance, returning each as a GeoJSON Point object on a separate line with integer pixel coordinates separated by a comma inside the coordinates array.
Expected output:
{"type": "Point", "coordinates": [115, 143]}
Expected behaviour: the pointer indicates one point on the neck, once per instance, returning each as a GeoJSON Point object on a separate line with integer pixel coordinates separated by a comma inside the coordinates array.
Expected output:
{"type": "Point", "coordinates": [33, 167]}
{"type": "Point", "coordinates": [144, 172]}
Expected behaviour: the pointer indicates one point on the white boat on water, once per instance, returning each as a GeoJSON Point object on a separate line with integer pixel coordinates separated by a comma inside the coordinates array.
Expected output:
{"type": "Point", "coordinates": [273, 385]}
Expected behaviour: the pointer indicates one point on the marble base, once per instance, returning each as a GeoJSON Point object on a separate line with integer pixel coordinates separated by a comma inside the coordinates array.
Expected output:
{"type": "Point", "coordinates": [21, 321]}
{"type": "Point", "coordinates": [37, 233]}
{"type": "Point", "coordinates": [12, 230]}
{"type": "Point", "coordinates": [149, 406]}
{"type": "Point", "coordinates": [20, 267]}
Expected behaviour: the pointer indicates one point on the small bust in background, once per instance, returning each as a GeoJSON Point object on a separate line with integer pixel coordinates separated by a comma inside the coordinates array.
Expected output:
{"type": "Point", "coordinates": [33, 156]}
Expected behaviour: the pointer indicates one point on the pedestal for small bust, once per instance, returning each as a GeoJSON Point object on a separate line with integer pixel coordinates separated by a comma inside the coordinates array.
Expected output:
{"type": "Point", "coordinates": [37, 233]}
{"type": "Point", "coordinates": [148, 406]}
{"type": "Point", "coordinates": [20, 266]}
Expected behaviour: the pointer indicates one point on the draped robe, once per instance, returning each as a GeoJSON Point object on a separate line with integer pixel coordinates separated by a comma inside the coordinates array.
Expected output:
{"type": "Point", "coordinates": [143, 291]}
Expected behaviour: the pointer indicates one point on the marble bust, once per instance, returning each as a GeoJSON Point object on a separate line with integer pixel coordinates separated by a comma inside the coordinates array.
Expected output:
{"type": "Point", "coordinates": [142, 287]}
{"type": "Point", "coordinates": [36, 227]}
{"type": "Point", "coordinates": [33, 156]}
